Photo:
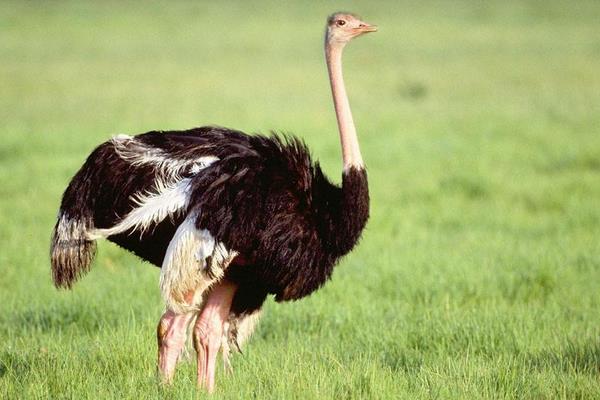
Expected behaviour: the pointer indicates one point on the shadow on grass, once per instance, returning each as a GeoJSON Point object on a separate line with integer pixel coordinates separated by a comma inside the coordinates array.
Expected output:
{"type": "Point", "coordinates": [573, 163]}
{"type": "Point", "coordinates": [579, 358]}
{"type": "Point", "coordinates": [17, 364]}
{"type": "Point", "coordinates": [407, 361]}
{"type": "Point", "coordinates": [571, 358]}
{"type": "Point", "coordinates": [52, 319]}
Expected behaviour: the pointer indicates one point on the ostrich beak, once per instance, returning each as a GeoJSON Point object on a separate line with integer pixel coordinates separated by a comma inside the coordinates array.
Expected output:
{"type": "Point", "coordinates": [365, 28]}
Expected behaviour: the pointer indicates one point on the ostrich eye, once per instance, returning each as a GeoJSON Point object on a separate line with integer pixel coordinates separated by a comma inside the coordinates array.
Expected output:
{"type": "Point", "coordinates": [341, 22]}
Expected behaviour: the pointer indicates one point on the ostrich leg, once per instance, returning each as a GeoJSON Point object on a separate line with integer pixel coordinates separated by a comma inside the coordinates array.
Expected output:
{"type": "Point", "coordinates": [171, 334]}
{"type": "Point", "coordinates": [208, 331]}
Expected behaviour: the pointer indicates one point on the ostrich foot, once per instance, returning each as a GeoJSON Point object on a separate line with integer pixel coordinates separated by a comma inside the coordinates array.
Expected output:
{"type": "Point", "coordinates": [208, 331]}
{"type": "Point", "coordinates": [172, 334]}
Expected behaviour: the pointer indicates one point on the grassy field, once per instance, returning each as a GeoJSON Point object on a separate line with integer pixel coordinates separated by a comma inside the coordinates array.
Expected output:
{"type": "Point", "coordinates": [479, 273]}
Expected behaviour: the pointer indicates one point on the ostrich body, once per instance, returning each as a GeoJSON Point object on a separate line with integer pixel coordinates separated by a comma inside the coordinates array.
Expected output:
{"type": "Point", "coordinates": [228, 217]}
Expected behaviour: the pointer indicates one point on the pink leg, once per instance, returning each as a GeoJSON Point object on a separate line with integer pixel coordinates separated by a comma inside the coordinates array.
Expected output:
{"type": "Point", "coordinates": [171, 334]}
{"type": "Point", "coordinates": [208, 331]}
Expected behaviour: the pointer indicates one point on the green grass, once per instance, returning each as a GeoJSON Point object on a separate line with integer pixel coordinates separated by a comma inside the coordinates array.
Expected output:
{"type": "Point", "coordinates": [479, 273]}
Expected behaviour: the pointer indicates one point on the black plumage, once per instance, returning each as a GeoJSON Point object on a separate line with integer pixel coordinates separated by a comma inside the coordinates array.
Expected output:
{"type": "Point", "coordinates": [264, 198]}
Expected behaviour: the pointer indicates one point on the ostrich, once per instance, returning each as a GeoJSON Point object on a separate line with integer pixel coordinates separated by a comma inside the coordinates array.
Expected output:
{"type": "Point", "coordinates": [228, 217]}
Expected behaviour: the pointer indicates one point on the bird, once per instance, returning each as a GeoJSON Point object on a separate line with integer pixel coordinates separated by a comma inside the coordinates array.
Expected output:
{"type": "Point", "coordinates": [230, 218]}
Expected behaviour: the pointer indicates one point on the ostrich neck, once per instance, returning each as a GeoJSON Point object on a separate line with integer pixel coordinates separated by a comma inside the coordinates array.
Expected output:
{"type": "Point", "coordinates": [350, 150]}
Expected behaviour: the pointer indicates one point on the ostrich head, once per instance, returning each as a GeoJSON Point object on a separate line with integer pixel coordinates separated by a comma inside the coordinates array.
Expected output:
{"type": "Point", "coordinates": [343, 27]}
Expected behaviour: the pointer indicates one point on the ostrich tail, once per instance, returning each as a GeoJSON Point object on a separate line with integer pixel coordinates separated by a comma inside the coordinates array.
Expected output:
{"type": "Point", "coordinates": [71, 251]}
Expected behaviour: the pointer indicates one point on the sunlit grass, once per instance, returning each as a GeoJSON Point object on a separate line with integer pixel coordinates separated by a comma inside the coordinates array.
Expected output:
{"type": "Point", "coordinates": [478, 275]}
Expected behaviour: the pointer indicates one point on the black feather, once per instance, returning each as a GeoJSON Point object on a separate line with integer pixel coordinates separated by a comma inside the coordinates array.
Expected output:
{"type": "Point", "coordinates": [264, 198]}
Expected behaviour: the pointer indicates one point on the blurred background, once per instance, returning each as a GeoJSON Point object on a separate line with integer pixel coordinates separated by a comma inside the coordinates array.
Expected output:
{"type": "Point", "coordinates": [478, 274]}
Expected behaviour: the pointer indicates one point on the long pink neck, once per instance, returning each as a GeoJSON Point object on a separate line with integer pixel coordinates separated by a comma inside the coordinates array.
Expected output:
{"type": "Point", "coordinates": [350, 149]}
